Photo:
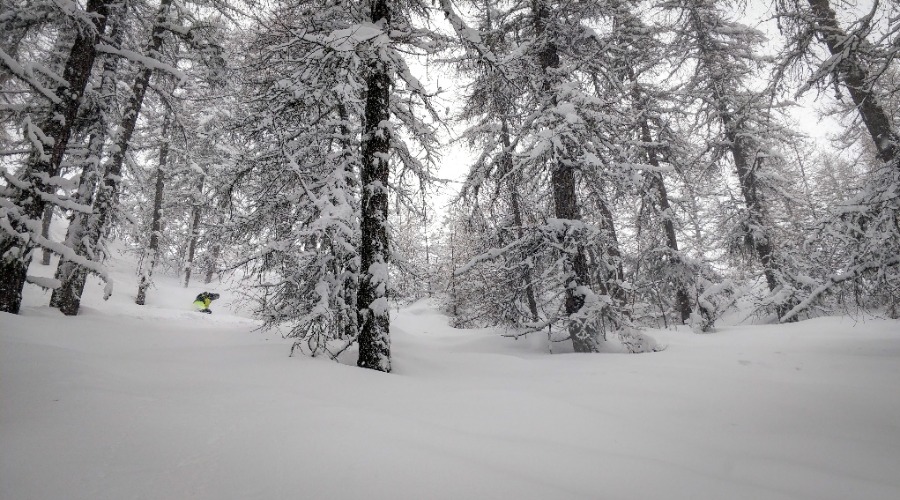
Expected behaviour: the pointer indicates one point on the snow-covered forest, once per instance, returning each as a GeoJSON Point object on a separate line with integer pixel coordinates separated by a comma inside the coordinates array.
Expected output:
{"type": "Point", "coordinates": [632, 164]}
{"type": "Point", "coordinates": [531, 178]}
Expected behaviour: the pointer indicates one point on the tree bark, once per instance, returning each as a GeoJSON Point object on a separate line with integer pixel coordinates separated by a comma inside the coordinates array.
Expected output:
{"type": "Point", "coordinates": [349, 262]}
{"type": "Point", "coordinates": [156, 218]}
{"type": "Point", "coordinates": [214, 253]}
{"type": "Point", "coordinates": [106, 201]}
{"type": "Point", "coordinates": [45, 232]}
{"type": "Point", "coordinates": [611, 279]}
{"type": "Point", "coordinates": [372, 301]}
{"type": "Point", "coordinates": [16, 249]}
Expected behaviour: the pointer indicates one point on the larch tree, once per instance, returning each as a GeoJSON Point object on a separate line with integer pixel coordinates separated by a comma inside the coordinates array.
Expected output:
{"type": "Point", "coordinates": [329, 138]}
{"type": "Point", "coordinates": [567, 130]}
{"type": "Point", "coordinates": [372, 297]}
{"type": "Point", "coordinates": [151, 256]}
{"type": "Point", "coordinates": [28, 192]}
{"type": "Point", "coordinates": [85, 233]}
{"type": "Point", "coordinates": [641, 58]}
{"type": "Point", "coordinates": [725, 56]}
{"type": "Point", "coordinates": [862, 60]}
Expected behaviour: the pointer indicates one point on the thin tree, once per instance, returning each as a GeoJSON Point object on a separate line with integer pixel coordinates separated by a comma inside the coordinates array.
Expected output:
{"type": "Point", "coordinates": [151, 256]}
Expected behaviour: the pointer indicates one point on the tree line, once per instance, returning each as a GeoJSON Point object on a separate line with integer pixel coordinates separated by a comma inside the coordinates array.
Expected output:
{"type": "Point", "coordinates": [635, 162]}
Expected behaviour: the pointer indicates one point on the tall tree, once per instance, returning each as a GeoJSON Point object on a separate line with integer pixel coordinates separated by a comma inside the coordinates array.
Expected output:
{"type": "Point", "coordinates": [566, 145]}
{"type": "Point", "coordinates": [862, 61]}
{"type": "Point", "coordinates": [372, 298]}
{"type": "Point", "coordinates": [151, 256]}
{"type": "Point", "coordinates": [638, 51]}
{"type": "Point", "coordinates": [724, 57]}
{"type": "Point", "coordinates": [34, 187]}
{"type": "Point", "coordinates": [85, 233]}
{"type": "Point", "coordinates": [327, 95]}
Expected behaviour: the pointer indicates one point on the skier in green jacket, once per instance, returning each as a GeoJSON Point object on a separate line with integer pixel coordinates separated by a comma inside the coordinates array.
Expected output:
{"type": "Point", "coordinates": [203, 300]}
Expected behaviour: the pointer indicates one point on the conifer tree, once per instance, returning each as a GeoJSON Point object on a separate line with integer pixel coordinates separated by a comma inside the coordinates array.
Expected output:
{"type": "Point", "coordinates": [323, 131]}
{"type": "Point", "coordinates": [742, 119]}
{"type": "Point", "coordinates": [67, 297]}
{"type": "Point", "coordinates": [26, 198]}
{"type": "Point", "coordinates": [862, 61]}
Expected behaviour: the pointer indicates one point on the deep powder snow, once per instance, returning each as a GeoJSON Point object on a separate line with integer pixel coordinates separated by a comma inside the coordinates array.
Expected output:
{"type": "Point", "coordinates": [159, 402]}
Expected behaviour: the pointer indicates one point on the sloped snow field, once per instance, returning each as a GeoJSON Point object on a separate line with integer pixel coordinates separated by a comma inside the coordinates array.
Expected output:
{"type": "Point", "coordinates": [159, 402]}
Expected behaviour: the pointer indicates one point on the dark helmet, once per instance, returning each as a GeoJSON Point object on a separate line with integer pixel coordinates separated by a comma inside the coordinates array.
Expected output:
{"type": "Point", "coordinates": [207, 295]}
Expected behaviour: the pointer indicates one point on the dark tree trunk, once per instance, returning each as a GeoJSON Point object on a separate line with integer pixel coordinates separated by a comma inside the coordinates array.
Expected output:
{"type": "Point", "coordinates": [156, 219]}
{"type": "Point", "coordinates": [16, 249]}
{"type": "Point", "coordinates": [611, 279]}
{"type": "Point", "coordinates": [658, 188]}
{"type": "Point", "coordinates": [106, 201]}
{"type": "Point", "coordinates": [746, 167]}
{"type": "Point", "coordinates": [855, 76]}
{"type": "Point", "coordinates": [761, 238]}
{"type": "Point", "coordinates": [565, 202]}
{"type": "Point", "coordinates": [210, 264]}
{"type": "Point", "coordinates": [682, 299]}
{"type": "Point", "coordinates": [196, 215]}
{"type": "Point", "coordinates": [372, 301]}
{"type": "Point", "coordinates": [349, 263]}
{"type": "Point", "coordinates": [45, 232]}
{"type": "Point", "coordinates": [566, 208]}
{"type": "Point", "coordinates": [746, 171]}
{"type": "Point", "coordinates": [211, 261]}
{"type": "Point", "coordinates": [515, 205]}
{"type": "Point", "coordinates": [90, 171]}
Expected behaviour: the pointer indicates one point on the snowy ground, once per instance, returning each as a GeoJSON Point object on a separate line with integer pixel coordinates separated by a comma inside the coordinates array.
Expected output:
{"type": "Point", "coordinates": [159, 402]}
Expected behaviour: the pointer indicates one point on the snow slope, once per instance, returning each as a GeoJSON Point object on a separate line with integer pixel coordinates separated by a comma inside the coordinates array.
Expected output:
{"type": "Point", "coordinates": [160, 402]}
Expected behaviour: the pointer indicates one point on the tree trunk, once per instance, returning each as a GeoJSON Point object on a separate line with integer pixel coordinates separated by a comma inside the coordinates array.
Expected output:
{"type": "Point", "coordinates": [87, 184]}
{"type": "Point", "coordinates": [156, 218]}
{"type": "Point", "coordinates": [45, 232]}
{"type": "Point", "coordinates": [855, 76]}
{"type": "Point", "coordinates": [745, 166]}
{"type": "Point", "coordinates": [658, 186]}
{"type": "Point", "coordinates": [350, 262]}
{"type": "Point", "coordinates": [372, 301]}
{"type": "Point", "coordinates": [16, 248]}
{"type": "Point", "coordinates": [106, 201]}
{"type": "Point", "coordinates": [562, 179]}
{"type": "Point", "coordinates": [90, 169]}
{"type": "Point", "coordinates": [612, 278]}
{"type": "Point", "coordinates": [196, 215]}
{"type": "Point", "coordinates": [682, 299]}
{"type": "Point", "coordinates": [213, 257]}
{"type": "Point", "coordinates": [515, 205]}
